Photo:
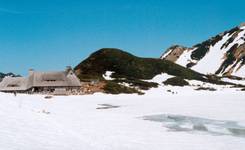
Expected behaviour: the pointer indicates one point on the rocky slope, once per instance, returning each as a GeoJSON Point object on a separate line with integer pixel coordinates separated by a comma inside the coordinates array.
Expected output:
{"type": "Point", "coordinates": [223, 55]}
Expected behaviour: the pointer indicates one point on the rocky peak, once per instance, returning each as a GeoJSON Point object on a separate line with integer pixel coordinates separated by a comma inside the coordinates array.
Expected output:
{"type": "Point", "coordinates": [242, 24]}
{"type": "Point", "coordinates": [173, 53]}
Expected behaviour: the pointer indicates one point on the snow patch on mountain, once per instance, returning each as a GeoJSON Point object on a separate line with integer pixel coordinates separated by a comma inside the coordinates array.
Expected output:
{"type": "Point", "coordinates": [240, 72]}
{"type": "Point", "coordinates": [242, 81]}
{"type": "Point", "coordinates": [107, 75]}
{"type": "Point", "coordinates": [166, 54]}
{"type": "Point", "coordinates": [160, 78]}
{"type": "Point", "coordinates": [213, 59]}
{"type": "Point", "coordinates": [185, 58]}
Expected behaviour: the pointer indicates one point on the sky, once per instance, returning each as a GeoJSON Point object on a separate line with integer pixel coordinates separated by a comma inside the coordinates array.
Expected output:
{"type": "Point", "coordinates": [49, 35]}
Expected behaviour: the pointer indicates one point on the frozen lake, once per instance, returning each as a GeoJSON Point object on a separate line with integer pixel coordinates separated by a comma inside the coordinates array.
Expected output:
{"type": "Point", "coordinates": [198, 125]}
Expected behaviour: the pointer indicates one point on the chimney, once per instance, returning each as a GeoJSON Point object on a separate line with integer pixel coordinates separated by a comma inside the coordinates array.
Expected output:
{"type": "Point", "coordinates": [68, 69]}
{"type": "Point", "coordinates": [31, 71]}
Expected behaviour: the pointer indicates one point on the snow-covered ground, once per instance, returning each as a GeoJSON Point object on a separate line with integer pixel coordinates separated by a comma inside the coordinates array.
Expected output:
{"type": "Point", "coordinates": [242, 82]}
{"type": "Point", "coordinates": [172, 118]}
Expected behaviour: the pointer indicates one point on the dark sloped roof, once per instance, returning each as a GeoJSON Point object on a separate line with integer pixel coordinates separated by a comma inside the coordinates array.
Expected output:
{"type": "Point", "coordinates": [13, 84]}
{"type": "Point", "coordinates": [54, 79]}
{"type": "Point", "coordinates": [40, 79]}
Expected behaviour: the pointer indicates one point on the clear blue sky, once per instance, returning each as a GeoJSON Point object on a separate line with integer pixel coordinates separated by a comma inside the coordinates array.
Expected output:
{"type": "Point", "coordinates": [51, 34]}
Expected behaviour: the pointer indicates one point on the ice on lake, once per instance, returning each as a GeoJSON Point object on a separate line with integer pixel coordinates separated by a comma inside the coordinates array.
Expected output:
{"type": "Point", "coordinates": [191, 124]}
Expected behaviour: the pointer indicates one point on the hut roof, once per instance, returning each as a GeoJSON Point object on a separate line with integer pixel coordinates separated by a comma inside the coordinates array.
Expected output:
{"type": "Point", "coordinates": [54, 79]}
{"type": "Point", "coordinates": [40, 79]}
{"type": "Point", "coordinates": [13, 84]}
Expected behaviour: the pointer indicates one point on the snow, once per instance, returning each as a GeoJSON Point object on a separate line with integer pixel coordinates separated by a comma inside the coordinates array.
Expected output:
{"type": "Point", "coordinates": [160, 78]}
{"type": "Point", "coordinates": [185, 58]}
{"type": "Point", "coordinates": [239, 40]}
{"type": "Point", "coordinates": [80, 122]}
{"type": "Point", "coordinates": [234, 81]}
{"type": "Point", "coordinates": [242, 27]}
{"type": "Point", "coordinates": [211, 62]}
{"type": "Point", "coordinates": [125, 84]}
{"type": "Point", "coordinates": [166, 54]}
{"type": "Point", "coordinates": [240, 72]}
{"type": "Point", "coordinates": [107, 75]}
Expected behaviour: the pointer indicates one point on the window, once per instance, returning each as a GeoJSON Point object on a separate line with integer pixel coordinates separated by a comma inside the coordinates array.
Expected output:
{"type": "Point", "coordinates": [13, 85]}
{"type": "Point", "coordinates": [50, 80]}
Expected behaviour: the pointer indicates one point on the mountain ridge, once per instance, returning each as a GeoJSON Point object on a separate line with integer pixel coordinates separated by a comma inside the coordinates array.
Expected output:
{"type": "Point", "coordinates": [2, 75]}
{"type": "Point", "coordinates": [223, 54]}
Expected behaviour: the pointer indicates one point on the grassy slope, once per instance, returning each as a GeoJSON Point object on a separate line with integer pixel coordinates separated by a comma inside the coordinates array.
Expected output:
{"type": "Point", "coordinates": [130, 69]}
{"type": "Point", "coordinates": [126, 65]}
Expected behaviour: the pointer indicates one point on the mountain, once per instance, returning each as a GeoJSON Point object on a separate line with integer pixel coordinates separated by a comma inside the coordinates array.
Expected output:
{"type": "Point", "coordinates": [133, 70]}
{"type": "Point", "coordinates": [126, 65]}
{"type": "Point", "coordinates": [223, 55]}
{"type": "Point", "coordinates": [2, 75]}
